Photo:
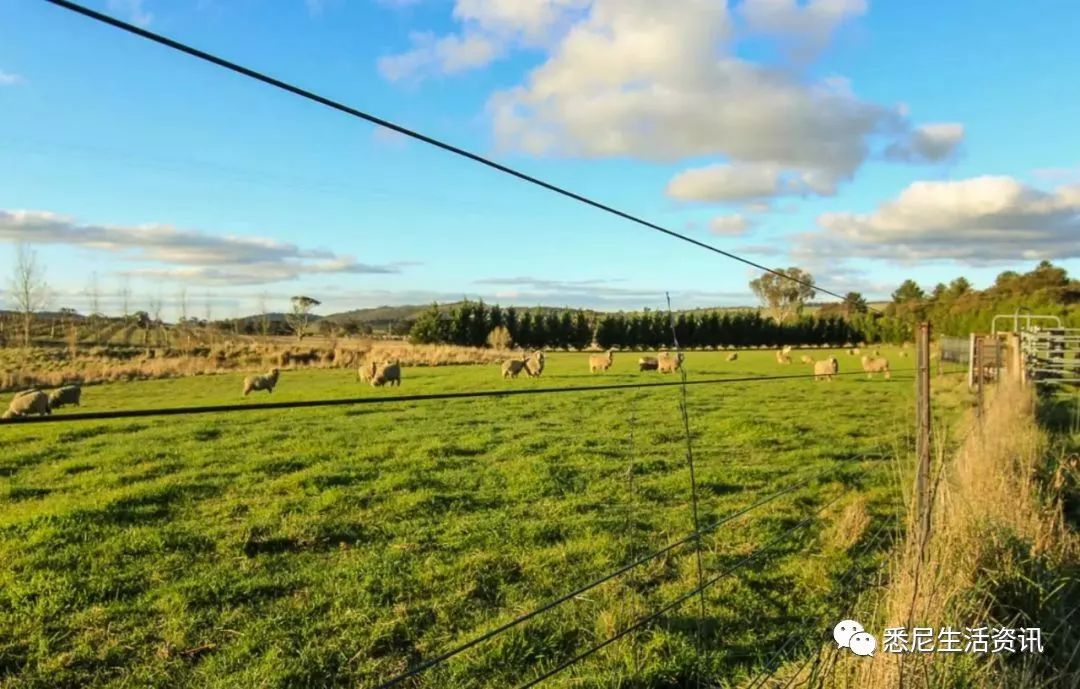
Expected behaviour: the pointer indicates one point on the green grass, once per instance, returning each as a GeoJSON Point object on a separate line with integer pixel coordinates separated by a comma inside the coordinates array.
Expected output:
{"type": "Point", "coordinates": [338, 546]}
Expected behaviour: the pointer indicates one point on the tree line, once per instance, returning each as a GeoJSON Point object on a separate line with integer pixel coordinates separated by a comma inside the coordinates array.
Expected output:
{"type": "Point", "coordinates": [473, 324]}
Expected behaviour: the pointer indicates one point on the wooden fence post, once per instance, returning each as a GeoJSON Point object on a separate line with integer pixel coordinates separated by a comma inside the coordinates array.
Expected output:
{"type": "Point", "coordinates": [922, 432]}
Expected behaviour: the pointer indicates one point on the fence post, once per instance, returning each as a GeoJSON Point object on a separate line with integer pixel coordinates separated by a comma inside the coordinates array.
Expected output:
{"type": "Point", "coordinates": [922, 432]}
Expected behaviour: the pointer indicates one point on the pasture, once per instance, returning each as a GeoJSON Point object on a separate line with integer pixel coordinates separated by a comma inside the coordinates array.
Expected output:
{"type": "Point", "coordinates": [339, 546]}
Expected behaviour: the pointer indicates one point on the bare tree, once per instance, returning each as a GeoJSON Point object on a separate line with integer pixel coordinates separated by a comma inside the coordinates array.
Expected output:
{"type": "Point", "coordinates": [28, 287]}
{"type": "Point", "coordinates": [125, 297]}
{"type": "Point", "coordinates": [93, 294]}
{"type": "Point", "coordinates": [154, 307]}
{"type": "Point", "coordinates": [300, 318]}
{"type": "Point", "coordinates": [181, 305]}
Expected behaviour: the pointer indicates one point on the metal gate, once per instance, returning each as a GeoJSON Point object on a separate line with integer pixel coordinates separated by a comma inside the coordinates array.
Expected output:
{"type": "Point", "coordinates": [1051, 355]}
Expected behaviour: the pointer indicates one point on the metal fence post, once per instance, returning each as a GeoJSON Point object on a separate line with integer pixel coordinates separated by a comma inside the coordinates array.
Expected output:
{"type": "Point", "coordinates": [922, 432]}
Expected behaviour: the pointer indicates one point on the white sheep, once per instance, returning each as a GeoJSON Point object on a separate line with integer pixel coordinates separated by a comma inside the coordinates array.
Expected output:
{"type": "Point", "coordinates": [786, 350]}
{"type": "Point", "coordinates": [826, 369]}
{"type": "Point", "coordinates": [387, 374]}
{"type": "Point", "coordinates": [534, 364]}
{"type": "Point", "coordinates": [601, 362]}
{"type": "Point", "coordinates": [512, 367]}
{"type": "Point", "coordinates": [806, 359]}
{"type": "Point", "coordinates": [734, 356]}
{"type": "Point", "coordinates": [26, 403]}
{"type": "Point", "coordinates": [670, 364]}
{"type": "Point", "coordinates": [365, 372]}
{"type": "Point", "coordinates": [877, 365]}
{"type": "Point", "coordinates": [648, 363]}
{"type": "Point", "coordinates": [69, 394]}
{"type": "Point", "coordinates": [782, 357]}
{"type": "Point", "coordinates": [267, 382]}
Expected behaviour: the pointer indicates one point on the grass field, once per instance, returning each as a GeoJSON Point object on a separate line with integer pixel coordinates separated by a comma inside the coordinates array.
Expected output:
{"type": "Point", "coordinates": [339, 546]}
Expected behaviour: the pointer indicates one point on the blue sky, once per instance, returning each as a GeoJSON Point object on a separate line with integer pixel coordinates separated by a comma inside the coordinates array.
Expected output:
{"type": "Point", "coordinates": [865, 141]}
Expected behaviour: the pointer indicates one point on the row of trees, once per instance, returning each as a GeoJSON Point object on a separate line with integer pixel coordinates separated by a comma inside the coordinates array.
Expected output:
{"type": "Point", "coordinates": [475, 324]}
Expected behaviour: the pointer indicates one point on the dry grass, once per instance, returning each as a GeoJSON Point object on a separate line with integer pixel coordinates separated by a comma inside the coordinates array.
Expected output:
{"type": "Point", "coordinates": [1000, 554]}
{"type": "Point", "coordinates": [54, 366]}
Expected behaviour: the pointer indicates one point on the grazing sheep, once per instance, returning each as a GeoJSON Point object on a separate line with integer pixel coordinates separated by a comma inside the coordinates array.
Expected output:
{"type": "Point", "coordinates": [534, 364]}
{"type": "Point", "coordinates": [734, 356]}
{"type": "Point", "coordinates": [267, 382]}
{"type": "Point", "coordinates": [387, 374]}
{"type": "Point", "coordinates": [365, 372]}
{"type": "Point", "coordinates": [826, 369]}
{"type": "Point", "coordinates": [69, 394]}
{"type": "Point", "coordinates": [854, 352]}
{"type": "Point", "coordinates": [512, 367]}
{"type": "Point", "coordinates": [878, 365]}
{"type": "Point", "coordinates": [877, 352]}
{"type": "Point", "coordinates": [903, 354]}
{"type": "Point", "coordinates": [782, 357]}
{"type": "Point", "coordinates": [786, 350]}
{"type": "Point", "coordinates": [806, 360]}
{"type": "Point", "coordinates": [601, 362]}
{"type": "Point", "coordinates": [670, 364]}
{"type": "Point", "coordinates": [26, 403]}
{"type": "Point", "coordinates": [648, 363]}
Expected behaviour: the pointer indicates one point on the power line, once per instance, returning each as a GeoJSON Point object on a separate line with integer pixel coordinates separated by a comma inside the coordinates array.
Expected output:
{"type": "Point", "coordinates": [451, 148]}
{"type": "Point", "coordinates": [678, 601]}
{"type": "Point", "coordinates": [443, 657]}
{"type": "Point", "coordinates": [352, 401]}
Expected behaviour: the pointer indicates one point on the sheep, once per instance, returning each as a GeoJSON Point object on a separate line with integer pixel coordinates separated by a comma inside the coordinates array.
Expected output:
{"type": "Point", "coordinates": [826, 368]}
{"type": "Point", "coordinates": [648, 363]}
{"type": "Point", "coordinates": [365, 372]}
{"type": "Point", "coordinates": [512, 367]}
{"type": "Point", "coordinates": [26, 403]}
{"type": "Point", "coordinates": [387, 374]}
{"type": "Point", "coordinates": [878, 365]}
{"type": "Point", "coordinates": [806, 360]}
{"type": "Point", "coordinates": [734, 356]}
{"type": "Point", "coordinates": [786, 350]}
{"type": "Point", "coordinates": [903, 354]}
{"type": "Point", "coordinates": [534, 364]}
{"type": "Point", "coordinates": [854, 351]}
{"type": "Point", "coordinates": [69, 394]}
{"type": "Point", "coordinates": [601, 363]}
{"type": "Point", "coordinates": [267, 382]}
{"type": "Point", "coordinates": [782, 357]}
{"type": "Point", "coordinates": [670, 364]}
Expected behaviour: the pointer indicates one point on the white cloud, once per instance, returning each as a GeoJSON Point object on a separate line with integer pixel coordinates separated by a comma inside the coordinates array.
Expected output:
{"type": "Point", "coordinates": [490, 28]}
{"type": "Point", "coordinates": [194, 256]}
{"type": "Point", "coordinates": [809, 26]}
{"type": "Point", "coordinates": [10, 79]}
{"type": "Point", "coordinates": [976, 221]}
{"type": "Point", "coordinates": [446, 55]}
{"type": "Point", "coordinates": [133, 10]}
{"type": "Point", "coordinates": [752, 182]}
{"type": "Point", "coordinates": [729, 225]}
{"type": "Point", "coordinates": [929, 143]}
{"type": "Point", "coordinates": [663, 81]}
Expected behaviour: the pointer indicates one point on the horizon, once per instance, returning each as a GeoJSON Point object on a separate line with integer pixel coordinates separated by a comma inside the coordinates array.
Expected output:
{"type": "Point", "coordinates": [869, 173]}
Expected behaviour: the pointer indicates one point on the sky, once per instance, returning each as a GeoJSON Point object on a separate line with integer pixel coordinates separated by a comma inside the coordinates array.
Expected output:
{"type": "Point", "coordinates": [865, 141]}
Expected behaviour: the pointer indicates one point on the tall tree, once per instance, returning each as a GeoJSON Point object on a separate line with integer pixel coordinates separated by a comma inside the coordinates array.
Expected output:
{"type": "Point", "coordinates": [784, 294]}
{"type": "Point", "coordinates": [28, 287]}
{"type": "Point", "coordinates": [908, 291]}
{"type": "Point", "coordinates": [300, 317]}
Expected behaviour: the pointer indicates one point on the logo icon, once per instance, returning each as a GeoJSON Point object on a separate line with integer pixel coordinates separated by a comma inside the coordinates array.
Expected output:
{"type": "Point", "coordinates": [851, 635]}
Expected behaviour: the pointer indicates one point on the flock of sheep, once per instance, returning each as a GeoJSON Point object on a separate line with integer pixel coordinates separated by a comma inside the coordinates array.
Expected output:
{"type": "Point", "coordinates": [30, 402]}
{"type": "Point", "coordinates": [829, 367]}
